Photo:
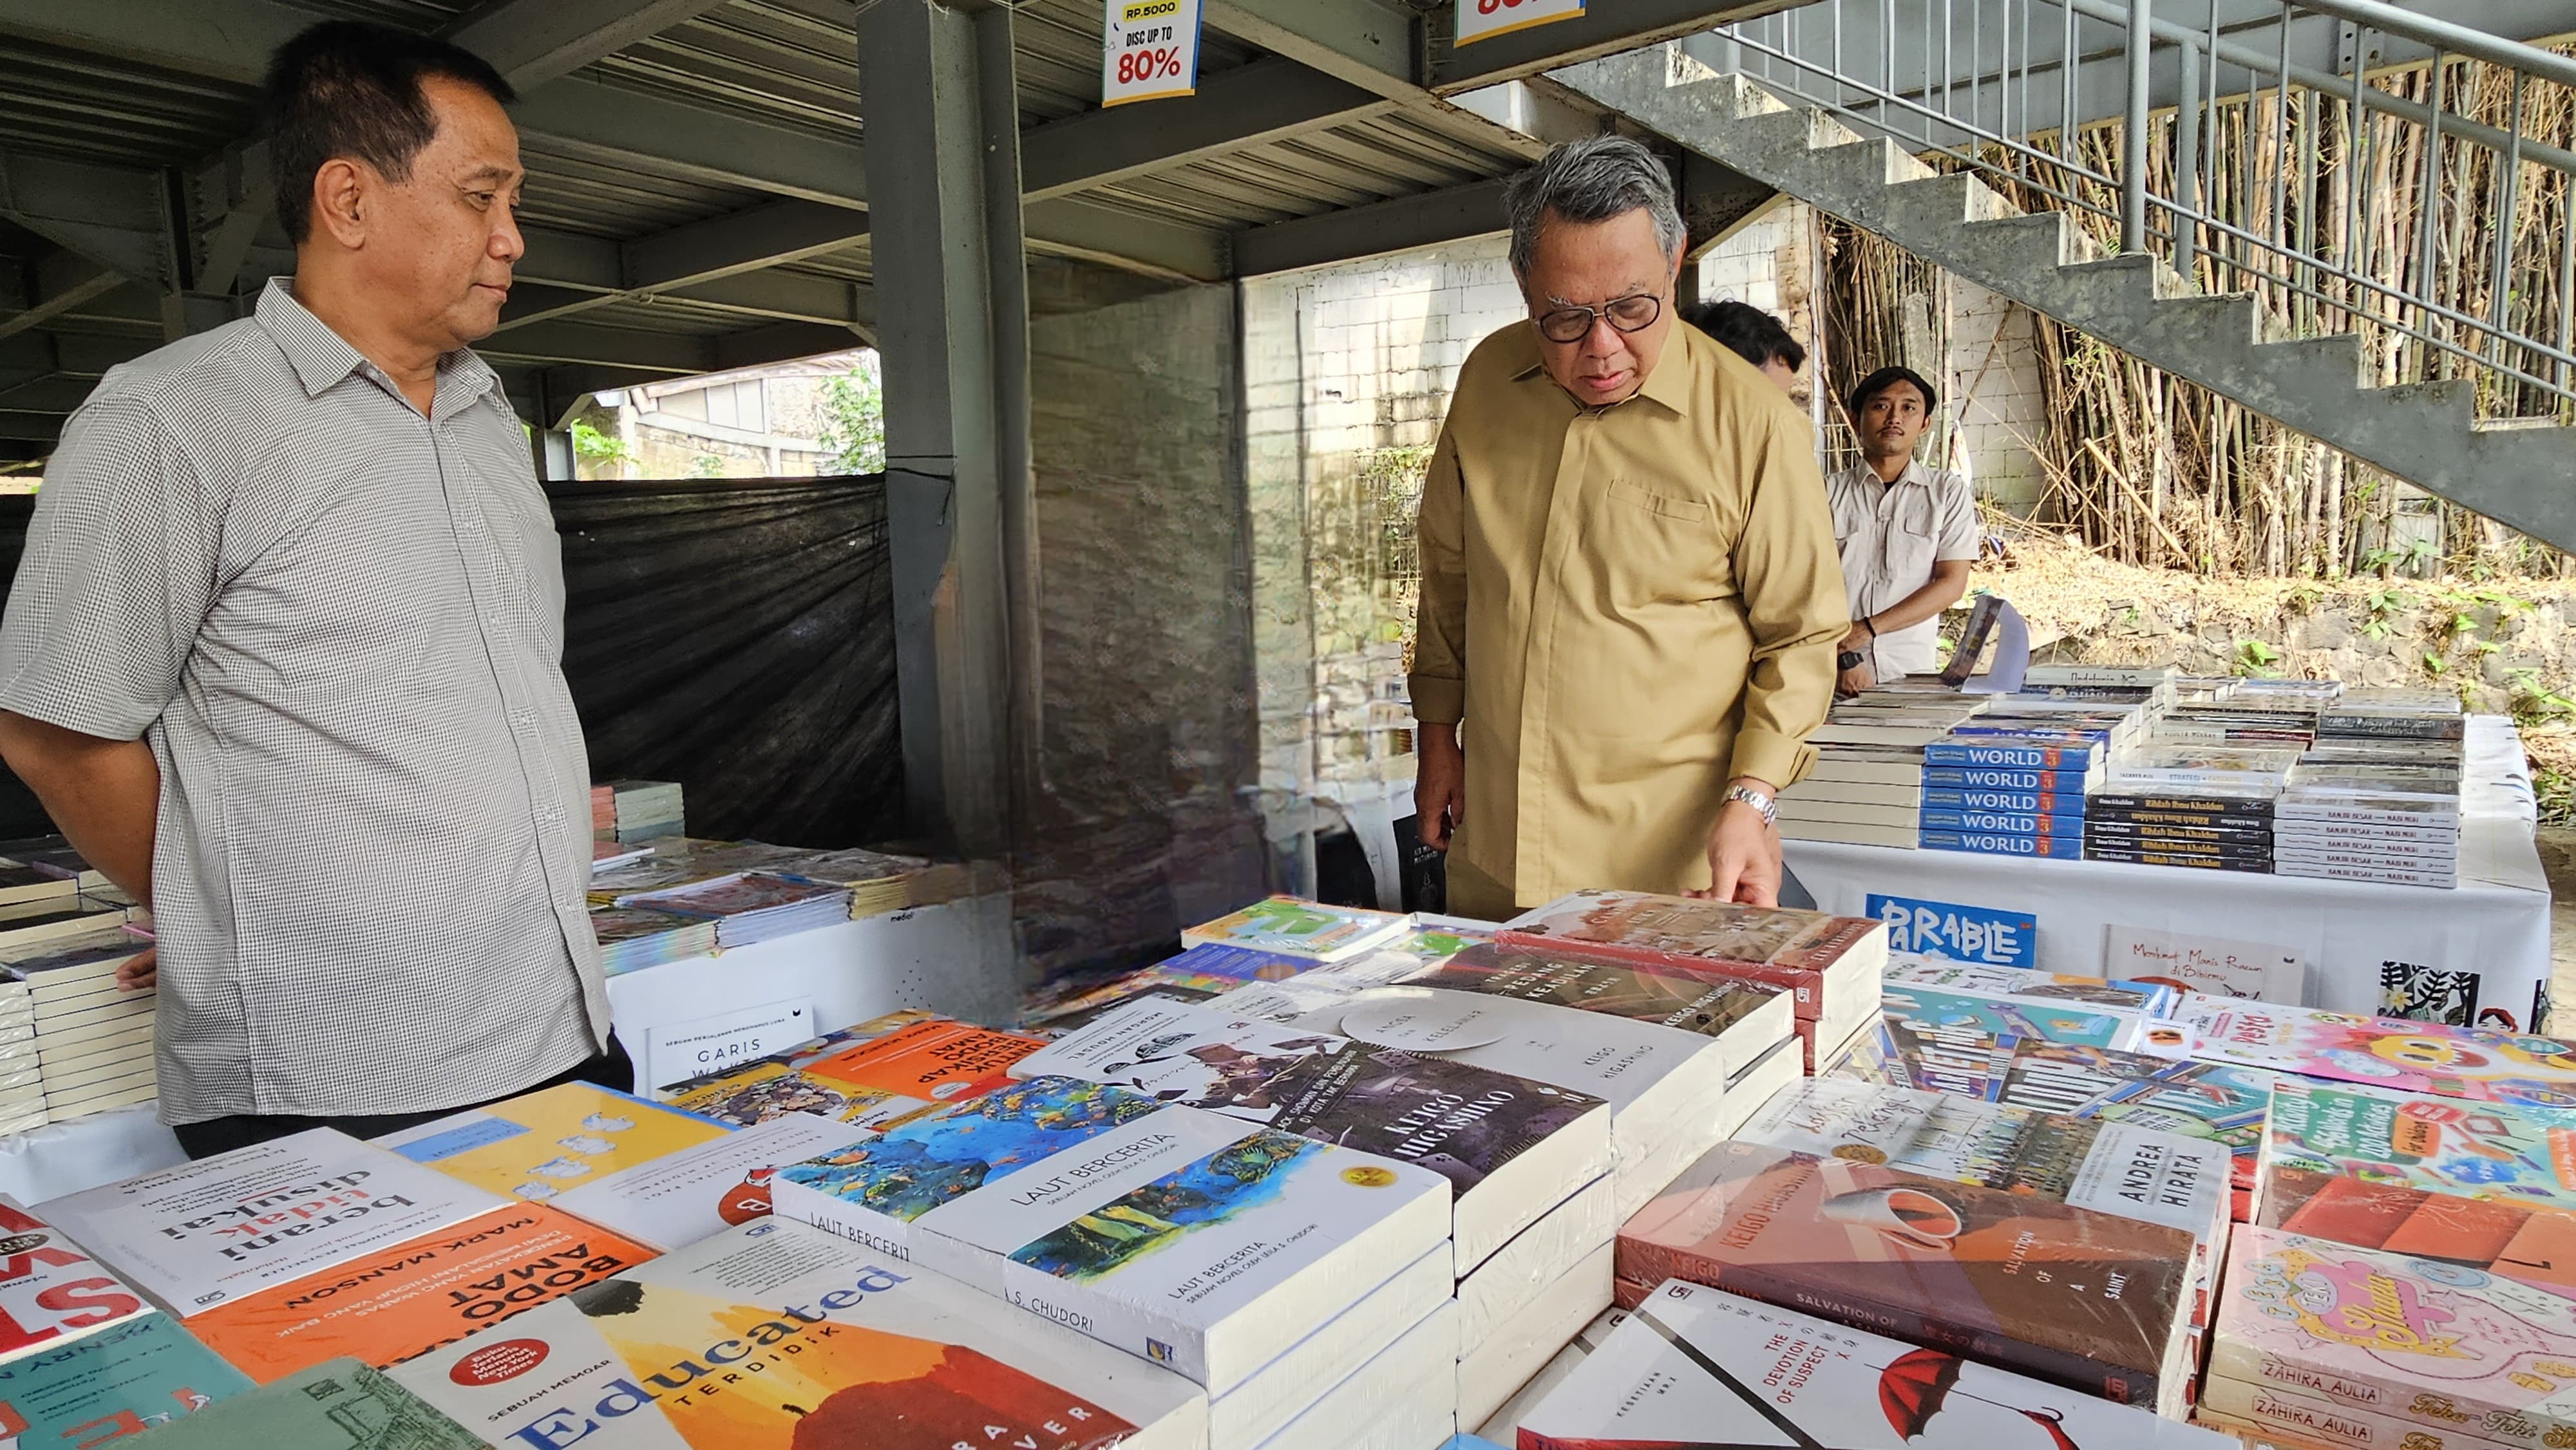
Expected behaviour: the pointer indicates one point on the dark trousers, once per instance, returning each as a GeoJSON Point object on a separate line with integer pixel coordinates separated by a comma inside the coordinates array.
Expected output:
{"type": "Point", "coordinates": [610, 1069]}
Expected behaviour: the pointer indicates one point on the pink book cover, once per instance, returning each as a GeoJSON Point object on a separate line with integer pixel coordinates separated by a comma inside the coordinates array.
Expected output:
{"type": "Point", "coordinates": [2439, 1344]}
{"type": "Point", "coordinates": [1793, 949]}
{"type": "Point", "coordinates": [2391, 1052]}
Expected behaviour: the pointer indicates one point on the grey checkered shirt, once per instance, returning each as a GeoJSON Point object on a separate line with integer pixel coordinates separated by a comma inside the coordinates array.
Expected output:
{"type": "Point", "coordinates": [340, 626]}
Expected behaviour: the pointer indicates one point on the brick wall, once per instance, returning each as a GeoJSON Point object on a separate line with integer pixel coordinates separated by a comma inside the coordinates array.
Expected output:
{"type": "Point", "coordinates": [1994, 375]}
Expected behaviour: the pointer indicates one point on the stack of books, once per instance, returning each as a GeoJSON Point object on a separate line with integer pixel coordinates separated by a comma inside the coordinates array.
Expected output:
{"type": "Point", "coordinates": [53, 856]}
{"type": "Point", "coordinates": [636, 810]}
{"type": "Point", "coordinates": [873, 1075]}
{"type": "Point", "coordinates": [2200, 806]}
{"type": "Point", "coordinates": [1287, 926]}
{"type": "Point", "coordinates": [2332, 1344]}
{"type": "Point", "coordinates": [84, 1358]}
{"type": "Point", "coordinates": [1934, 1260]}
{"type": "Point", "coordinates": [1527, 1162]}
{"type": "Point", "coordinates": [878, 883]}
{"type": "Point", "coordinates": [93, 1040]}
{"type": "Point", "coordinates": [2377, 798]}
{"type": "Point", "coordinates": [1866, 785]}
{"type": "Point", "coordinates": [685, 861]}
{"type": "Point", "coordinates": [632, 938]}
{"type": "Point", "coordinates": [2029, 787]}
{"type": "Point", "coordinates": [1265, 1267]}
{"type": "Point", "coordinates": [1694, 1365]}
{"type": "Point", "coordinates": [1831, 965]}
{"type": "Point", "coordinates": [750, 906]}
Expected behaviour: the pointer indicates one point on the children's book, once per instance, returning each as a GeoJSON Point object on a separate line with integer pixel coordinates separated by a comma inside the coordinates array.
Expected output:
{"type": "Point", "coordinates": [547, 1143]}
{"type": "Point", "coordinates": [1290, 927]}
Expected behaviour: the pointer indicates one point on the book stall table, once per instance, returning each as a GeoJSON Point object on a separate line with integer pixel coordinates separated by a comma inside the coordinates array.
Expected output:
{"type": "Point", "coordinates": [2482, 947]}
{"type": "Point", "coordinates": [952, 958]}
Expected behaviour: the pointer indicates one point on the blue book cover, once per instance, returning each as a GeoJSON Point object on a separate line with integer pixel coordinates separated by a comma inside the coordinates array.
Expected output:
{"type": "Point", "coordinates": [2000, 844]}
{"type": "Point", "coordinates": [1996, 777]}
{"type": "Point", "coordinates": [123, 1380]}
{"type": "Point", "coordinates": [2019, 823]}
{"type": "Point", "coordinates": [1243, 964]}
{"type": "Point", "coordinates": [2022, 802]}
{"type": "Point", "coordinates": [2001, 1014]}
{"type": "Point", "coordinates": [2055, 756]}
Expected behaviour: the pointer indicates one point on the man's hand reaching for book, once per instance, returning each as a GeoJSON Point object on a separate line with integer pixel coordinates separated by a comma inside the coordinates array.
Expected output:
{"type": "Point", "coordinates": [139, 972]}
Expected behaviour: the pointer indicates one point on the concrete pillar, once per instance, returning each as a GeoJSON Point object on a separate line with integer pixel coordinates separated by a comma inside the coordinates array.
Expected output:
{"type": "Point", "coordinates": [942, 139]}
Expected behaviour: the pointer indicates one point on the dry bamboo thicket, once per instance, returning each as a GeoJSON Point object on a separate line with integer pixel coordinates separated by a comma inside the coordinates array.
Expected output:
{"type": "Point", "coordinates": [2156, 471]}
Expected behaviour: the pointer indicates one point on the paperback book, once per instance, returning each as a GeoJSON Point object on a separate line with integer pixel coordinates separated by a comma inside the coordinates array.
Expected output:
{"type": "Point", "coordinates": [2006, 822]}
{"type": "Point", "coordinates": [2416, 1140]}
{"type": "Point", "coordinates": [1507, 1145]}
{"type": "Point", "coordinates": [208, 1232]}
{"type": "Point", "coordinates": [2505, 1237]}
{"type": "Point", "coordinates": [687, 1195]}
{"type": "Point", "coordinates": [546, 1143]}
{"type": "Point", "coordinates": [2428, 1343]}
{"type": "Point", "coordinates": [2004, 1014]}
{"type": "Point", "coordinates": [775, 1336]}
{"type": "Point", "coordinates": [1830, 963]}
{"type": "Point", "coordinates": [1195, 975]}
{"type": "Point", "coordinates": [336, 1405]}
{"type": "Point", "coordinates": [2095, 1302]}
{"type": "Point", "coordinates": [873, 1075]}
{"type": "Point", "coordinates": [1287, 926]}
{"type": "Point", "coordinates": [50, 1291]}
{"type": "Point", "coordinates": [412, 1297]}
{"type": "Point", "coordinates": [135, 1375]}
{"type": "Point", "coordinates": [2431, 1058]}
{"type": "Point", "coordinates": [1990, 843]}
{"type": "Point", "coordinates": [1746, 1017]}
{"type": "Point", "coordinates": [1693, 1365]}
{"type": "Point", "coordinates": [2147, 998]}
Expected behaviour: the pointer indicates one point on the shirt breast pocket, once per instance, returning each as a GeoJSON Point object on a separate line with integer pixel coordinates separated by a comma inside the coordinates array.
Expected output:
{"type": "Point", "coordinates": [1652, 547]}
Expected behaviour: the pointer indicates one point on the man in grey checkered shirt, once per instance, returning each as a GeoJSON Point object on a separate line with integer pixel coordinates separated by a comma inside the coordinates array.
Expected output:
{"type": "Point", "coordinates": [284, 656]}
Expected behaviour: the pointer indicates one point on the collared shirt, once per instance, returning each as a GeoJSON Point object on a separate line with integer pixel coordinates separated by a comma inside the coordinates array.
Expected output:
{"type": "Point", "coordinates": [1627, 607]}
{"type": "Point", "coordinates": [1890, 538]}
{"type": "Point", "coordinates": [339, 624]}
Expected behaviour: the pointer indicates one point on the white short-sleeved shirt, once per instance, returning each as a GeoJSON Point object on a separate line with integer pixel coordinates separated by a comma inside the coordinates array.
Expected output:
{"type": "Point", "coordinates": [1890, 537]}
{"type": "Point", "coordinates": [339, 624]}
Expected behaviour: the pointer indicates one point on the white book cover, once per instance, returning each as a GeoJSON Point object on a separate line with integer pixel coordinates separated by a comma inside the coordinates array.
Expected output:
{"type": "Point", "coordinates": [1503, 1426]}
{"type": "Point", "coordinates": [1283, 1389]}
{"type": "Point", "coordinates": [1517, 1273]}
{"type": "Point", "coordinates": [772, 1336]}
{"type": "Point", "coordinates": [1508, 1145]}
{"type": "Point", "coordinates": [207, 1232]}
{"type": "Point", "coordinates": [1695, 1366]}
{"type": "Point", "coordinates": [706, 1189]}
{"type": "Point", "coordinates": [1404, 1399]}
{"type": "Point", "coordinates": [1492, 1367]}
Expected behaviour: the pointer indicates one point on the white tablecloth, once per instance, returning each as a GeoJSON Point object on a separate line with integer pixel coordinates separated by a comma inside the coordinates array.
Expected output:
{"type": "Point", "coordinates": [2494, 924]}
{"type": "Point", "coordinates": [954, 958]}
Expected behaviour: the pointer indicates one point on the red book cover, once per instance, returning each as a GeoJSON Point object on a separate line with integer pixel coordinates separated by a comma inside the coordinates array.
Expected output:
{"type": "Point", "coordinates": [2088, 1300]}
{"type": "Point", "coordinates": [1794, 949]}
{"type": "Point", "coordinates": [49, 1289]}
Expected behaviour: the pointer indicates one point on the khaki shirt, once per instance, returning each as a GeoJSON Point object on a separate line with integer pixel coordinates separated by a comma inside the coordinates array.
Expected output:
{"type": "Point", "coordinates": [1627, 608]}
{"type": "Point", "coordinates": [1890, 537]}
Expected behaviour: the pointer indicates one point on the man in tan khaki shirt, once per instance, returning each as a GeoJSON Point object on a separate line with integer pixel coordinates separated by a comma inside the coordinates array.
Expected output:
{"type": "Point", "coordinates": [1630, 593]}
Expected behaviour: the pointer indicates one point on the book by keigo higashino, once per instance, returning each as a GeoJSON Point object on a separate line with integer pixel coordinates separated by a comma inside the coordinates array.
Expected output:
{"type": "Point", "coordinates": [2460, 1352]}
{"type": "Point", "coordinates": [208, 1232]}
{"type": "Point", "coordinates": [1831, 963]}
{"type": "Point", "coordinates": [1507, 1145]}
{"type": "Point", "coordinates": [2091, 1301]}
{"type": "Point", "coordinates": [1748, 1017]}
{"type": "Point", "coordinates": [2390, 1052]}
{"type": "Point", "coordinates": [872, 1076]}
{"type": "Point", "coordinates": [1199, 1241]}
{"type": "Point", "coordinates": [399, 1301]}
{"type": "Point", "coordinates": [338, 1404]}
{"type": "Point", "coordinates": [1692, 1365]}
{"type": "Point", "coordinates": [777, 1336]}
{"type": "Point", "coordinates": [134, 1375]}
{"type": "Point", "coordinates": [549, 1142]}
{"type": "Point", "coordinates": [51, 1291]}
{"type": "Point", "coordinates": [1291, 927]}
{"type": "Point", "coordinates": [2417, 1140]}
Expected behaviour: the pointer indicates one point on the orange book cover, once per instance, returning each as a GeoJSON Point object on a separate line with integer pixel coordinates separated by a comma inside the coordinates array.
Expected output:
{"type": "Point", "coordinates": [417, 1295]}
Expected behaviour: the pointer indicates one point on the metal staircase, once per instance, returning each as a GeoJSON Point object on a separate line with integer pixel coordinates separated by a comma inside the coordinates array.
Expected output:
{"type": "Point", "coordinates": [2264, 346]}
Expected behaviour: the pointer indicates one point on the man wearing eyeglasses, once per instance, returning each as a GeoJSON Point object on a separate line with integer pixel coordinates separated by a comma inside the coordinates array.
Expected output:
{"type": "Point", "coordinates": [1630, 593]}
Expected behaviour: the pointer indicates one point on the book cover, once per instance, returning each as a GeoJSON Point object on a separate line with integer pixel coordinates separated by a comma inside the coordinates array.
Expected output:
{"type": "Point", "coordinates": [540, 1145]}
{"type": "Point", "coordinates": [2050, 803]}
{"type": "Point", "coordinates": [2151, 999]}
{"type": "Point", "coordinates": [1999, 844]}
{"type": "Point", "coordinates": [2416, 1340]}
{"type": "Point", "coordinates": [337, 1405]}
{"type": "Point", "coordinates": [1288, 926]}
{"type": "Point", "coordinates": [2004, 1014]}
{"type": "Point", "coordinates": [2004, 754]}
{"type": "Point", "coordinates": [2006, 822]}
{"type": "Point", "coordinates": [2004, 778]}
{"type": "Point", "coordinates": [1693, 1365]}
{"type": "Point", "coordinates": [2432, 1058]}
{"type": "Point", "coordinates": [413, 1297]}
{"type": "Point", "coordinates": [1830, 963]}
{"type": "Point", "coordinates": [872, 1076]}
{"type": "Point", "coordinates": [733, 895]}
{"type": "Point", "coordinates": [207, 1232]}
{"type": "Point", "coordinates": [2503, 1237]}
{"type": "Point", "coordinates": [2415, 1140]}
{"type": "Point", "coordinates": [1463, 1122]}
{"type": "Point", "coordinates": [1195, 975]}
{"type": "Point", "coordinates": [2092, 1301]}
{"type": "Point", "coordinates": [703, 1190]}
{"type": "Point", "coordinates": [50, 1291]}
{"type": "Point", "coordinates": [774, 1336]}
{"type": "Point", "coordinates": [130, 1377]}
{"type": "Point", "coordinates": [1749, 1016]}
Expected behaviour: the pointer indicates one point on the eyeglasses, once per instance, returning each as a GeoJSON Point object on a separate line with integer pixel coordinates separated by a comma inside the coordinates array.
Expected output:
{"type": "Point", "coordinates": [1633, 313]}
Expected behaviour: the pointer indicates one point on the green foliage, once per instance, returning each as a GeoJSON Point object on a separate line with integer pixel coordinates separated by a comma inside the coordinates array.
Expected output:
{"type": "Point", "coordinates": [2556, 790]}
{"type": "Point", "coordinates": [2254, 657]}
{"type": "Point", "coordinates": [2384, 606]}
{"type": "Point", "coordinates": [706, 465]}
{"type": "Point", "coordinates": [2533, 702]}
{"type": "Point", "coordinates": [594, 446]}
{"type": "Point", "coordinates": [853, 433]}
{"type": "Point", "coordinates": [2433, 664]}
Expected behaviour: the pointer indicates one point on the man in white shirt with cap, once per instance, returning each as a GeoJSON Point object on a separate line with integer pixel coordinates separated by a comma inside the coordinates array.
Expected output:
{"type": "Point", "coordinates": [1907, 534]}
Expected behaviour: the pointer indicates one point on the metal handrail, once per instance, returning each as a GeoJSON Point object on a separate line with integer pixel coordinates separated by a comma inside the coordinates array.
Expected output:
{"type": "Point", "coordinates": [2294, 218]}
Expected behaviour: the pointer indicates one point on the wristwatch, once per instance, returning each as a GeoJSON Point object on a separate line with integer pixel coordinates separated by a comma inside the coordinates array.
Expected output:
{"type": "Point", "coordinates": [1769, 808]}
{"type": "Point", "coordinates": [1850, 659]}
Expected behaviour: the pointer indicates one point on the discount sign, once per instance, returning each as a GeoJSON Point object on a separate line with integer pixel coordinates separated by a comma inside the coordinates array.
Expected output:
{"type": "Point", "coordinates": [1485, 19]}
{"type": "Point", "coordinates": [1149, 49]}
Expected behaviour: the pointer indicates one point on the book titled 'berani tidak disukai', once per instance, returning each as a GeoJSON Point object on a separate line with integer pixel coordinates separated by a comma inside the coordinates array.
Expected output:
{"type": "Point", "coordinates": [2093, 1301]}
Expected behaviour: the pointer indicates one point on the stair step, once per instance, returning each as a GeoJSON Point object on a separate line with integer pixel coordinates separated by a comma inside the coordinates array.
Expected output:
{"type": "Point", "coordinates": [1861, 170]}
{"type": "Point", "coordinates": [1947, 201]}
{"type": "Point", "coordinates": [2039, 239]}
{"type": "Point", "coordinates": [2231, 321]}
{"type": "Point", "coordinates": [2331, 359]}
{"type": "Point", "coordinates": [2457, 397]}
